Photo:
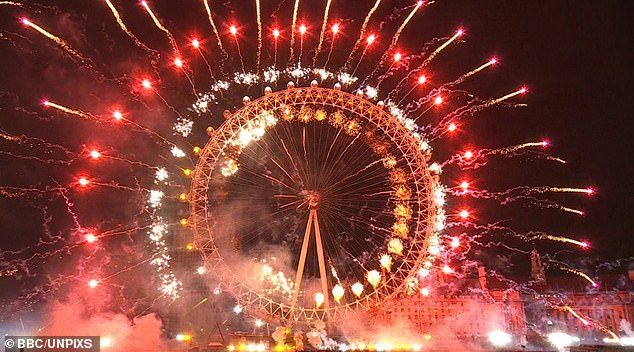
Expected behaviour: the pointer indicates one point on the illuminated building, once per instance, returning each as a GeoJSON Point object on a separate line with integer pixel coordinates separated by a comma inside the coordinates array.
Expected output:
{"type": "Point", "coordinates": [470, 308]}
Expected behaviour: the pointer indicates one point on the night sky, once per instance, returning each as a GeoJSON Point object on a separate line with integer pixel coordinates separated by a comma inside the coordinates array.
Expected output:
{"type": "Point", "coordinates": [575, 57]}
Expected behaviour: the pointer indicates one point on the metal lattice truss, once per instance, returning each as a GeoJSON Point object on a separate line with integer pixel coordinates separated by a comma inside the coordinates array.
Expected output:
{"type": "Point", "coordinates": [393, 129]}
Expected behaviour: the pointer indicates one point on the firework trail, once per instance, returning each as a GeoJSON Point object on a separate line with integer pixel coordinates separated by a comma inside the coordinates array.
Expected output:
{"type": "Point", "coordinates": [441, 48]}
{"type": "Point", "coordinates": [160, 26]}
{"type": "Point", "coordinates": [543, 236]}
{"type": "Point", "coordinates": [214, 28]}
{"type": "Point", "coordinates": [461, 79]}
{"type": "Point", "coordinates": [405, 22]}
{"type": "Point", "coordinates": [580, 274]}
{"type": "Point", "coordinates": [588, 191]}
{"type": "Point", "coordinates": [575, 314]}
{"type": "Point", "coordinates": [180, 65]}
{"type": "Point", "coordinates": [79, 113]}
{"type": "Point", "coordinates": [196, 45]}
{"type": "Point", "coordinates": [10, 3]}
{"type": "Point", "coordinates": [146, 84]}
{"type": "Point", "coordinates": [471, 108]}
{"type": "Point", "coordinates": [322, 34]}
{"type": "Point", "coordinates": [302, 32]}
{"type": "Point", "coordinates": [276, 36]}
{"type": "Point", "coordinates": [510, 194]}
{"type": "Point", "coordinates": [393, 43]}
{"type": "Point", "coordinates": [362, 32]}
{"type": "Point", "coordinates": [369, 41]}
{"type": "Point", "coordinates": [472, 159]}
{"type": "Point", "coordinates": [559, 160]}
{"type": "Point", "coordinates": [234, 32]}
{"type": "Point", "coordinates": [444, 88]}
{"type": "Point", "coordinates": [155, 55]}
{"type": "Point", "coordinates": [505, 97]}
{"type": "Point", "coordinates": [35, 144]}
{"type": "Point", "coordinates": [571, 210]}
{"type": "Point", "coordinates": [400, 61]}
{"type": "Point", "coordinates": [526, 193]}
{"type": "Point", "coordinates": [259, 20]}
{"type": "Point", "coordinates": [293, 29]}
{"type": "Point", "coordinates": [56, 39]}
{"type": "Point", "coordinates": [431, 56]}
{"type": "Point", "coordinates": [334, 30]}
{"type": "Point", "coordinates": [117, 115]}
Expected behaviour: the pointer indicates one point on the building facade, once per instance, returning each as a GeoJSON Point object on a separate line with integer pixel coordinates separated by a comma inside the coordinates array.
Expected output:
{"type": "Point", "coordinates": [486, 304]}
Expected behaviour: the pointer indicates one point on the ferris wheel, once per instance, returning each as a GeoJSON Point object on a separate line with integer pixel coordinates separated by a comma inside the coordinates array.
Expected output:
{"type": "Point", "coordinates": [312, 203]}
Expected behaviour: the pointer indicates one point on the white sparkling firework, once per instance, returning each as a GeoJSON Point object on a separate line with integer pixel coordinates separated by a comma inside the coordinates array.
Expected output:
{"type": "Point", "coordinates": [184, 126]}
{"type": "Point", "coordinates": [177, 152]}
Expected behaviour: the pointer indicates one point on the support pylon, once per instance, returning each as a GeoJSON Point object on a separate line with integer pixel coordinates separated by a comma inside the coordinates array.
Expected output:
{"type": "Point", "coordinates": [313, 222]}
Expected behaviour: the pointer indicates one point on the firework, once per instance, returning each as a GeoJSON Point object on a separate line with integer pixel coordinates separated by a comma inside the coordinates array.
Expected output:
{"type": "Point", "coordinates": [287, 143]}
{"type": "Point", "coordinates": [259, 21]}
{"type": "Point", "coordinates": [322, 33]}
{"type": "Point", "coordinates": [293, 29]}
{"type": "Point", "coordinates": [125, 29]}
{"type": "Point", "coordinates": [213, 26]}
{"type": "Point", "coordinates": [400, 29]}
{"type": "Point", "coordinates": [62, 43]}
{"type": "Point", "coordinates": [334, 30]}
{"type": "Point", "coordinates": [581, 274]}
{"type": "Point", "coordinates": [362, 31]}
{"type": "Point", "coordinates": [160, 26]}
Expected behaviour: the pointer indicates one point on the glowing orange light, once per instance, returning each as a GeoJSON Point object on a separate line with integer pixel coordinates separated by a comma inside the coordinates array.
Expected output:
{"type": "Point", "coordinates": [335, 28]}
{"type": "Point", "coordinates": [146, 84]}
{"type": "Point", "coordinates": [438, 100]}
{"type": "Point", "coordinates": [455, 242]}
{"type": "Point", "coordinates": [422, 79]}
{"type": "Point", "coordinates": [195, 43]}
{"type": "Point", "coordinates": [83, 181]}
{"type": "Point", "coordinates": [178, 62]}
{"type": "Point", "coordinates": [397, 57]}
{"type": "Point", "coordinates": [189, 246]}
{"type": "Point", "coordinates": [117, 115]}
{"type": "Point", "coordinates": [95, 154]}
{"type": "Point", "coordinates": [233, 30]}
{"type": "Point", "coordinates": [371, 39]}
{"type": "Point", "coordinates": [93, 283]}
{"type": "Point", "coordinates": [468, 154]}
{"type": "Point", "coordinates": [90, 237]}
{"type": "Point", "coordinates": [276, 33]}
{"type": "Point", "coordinates": [184, 222]}
{"type": "Point", "coordinates": [302, 29]}
{"type": "Point", "coordinates": [452, 127]}
{"type": "Point", "coordinates": [464, 214]}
